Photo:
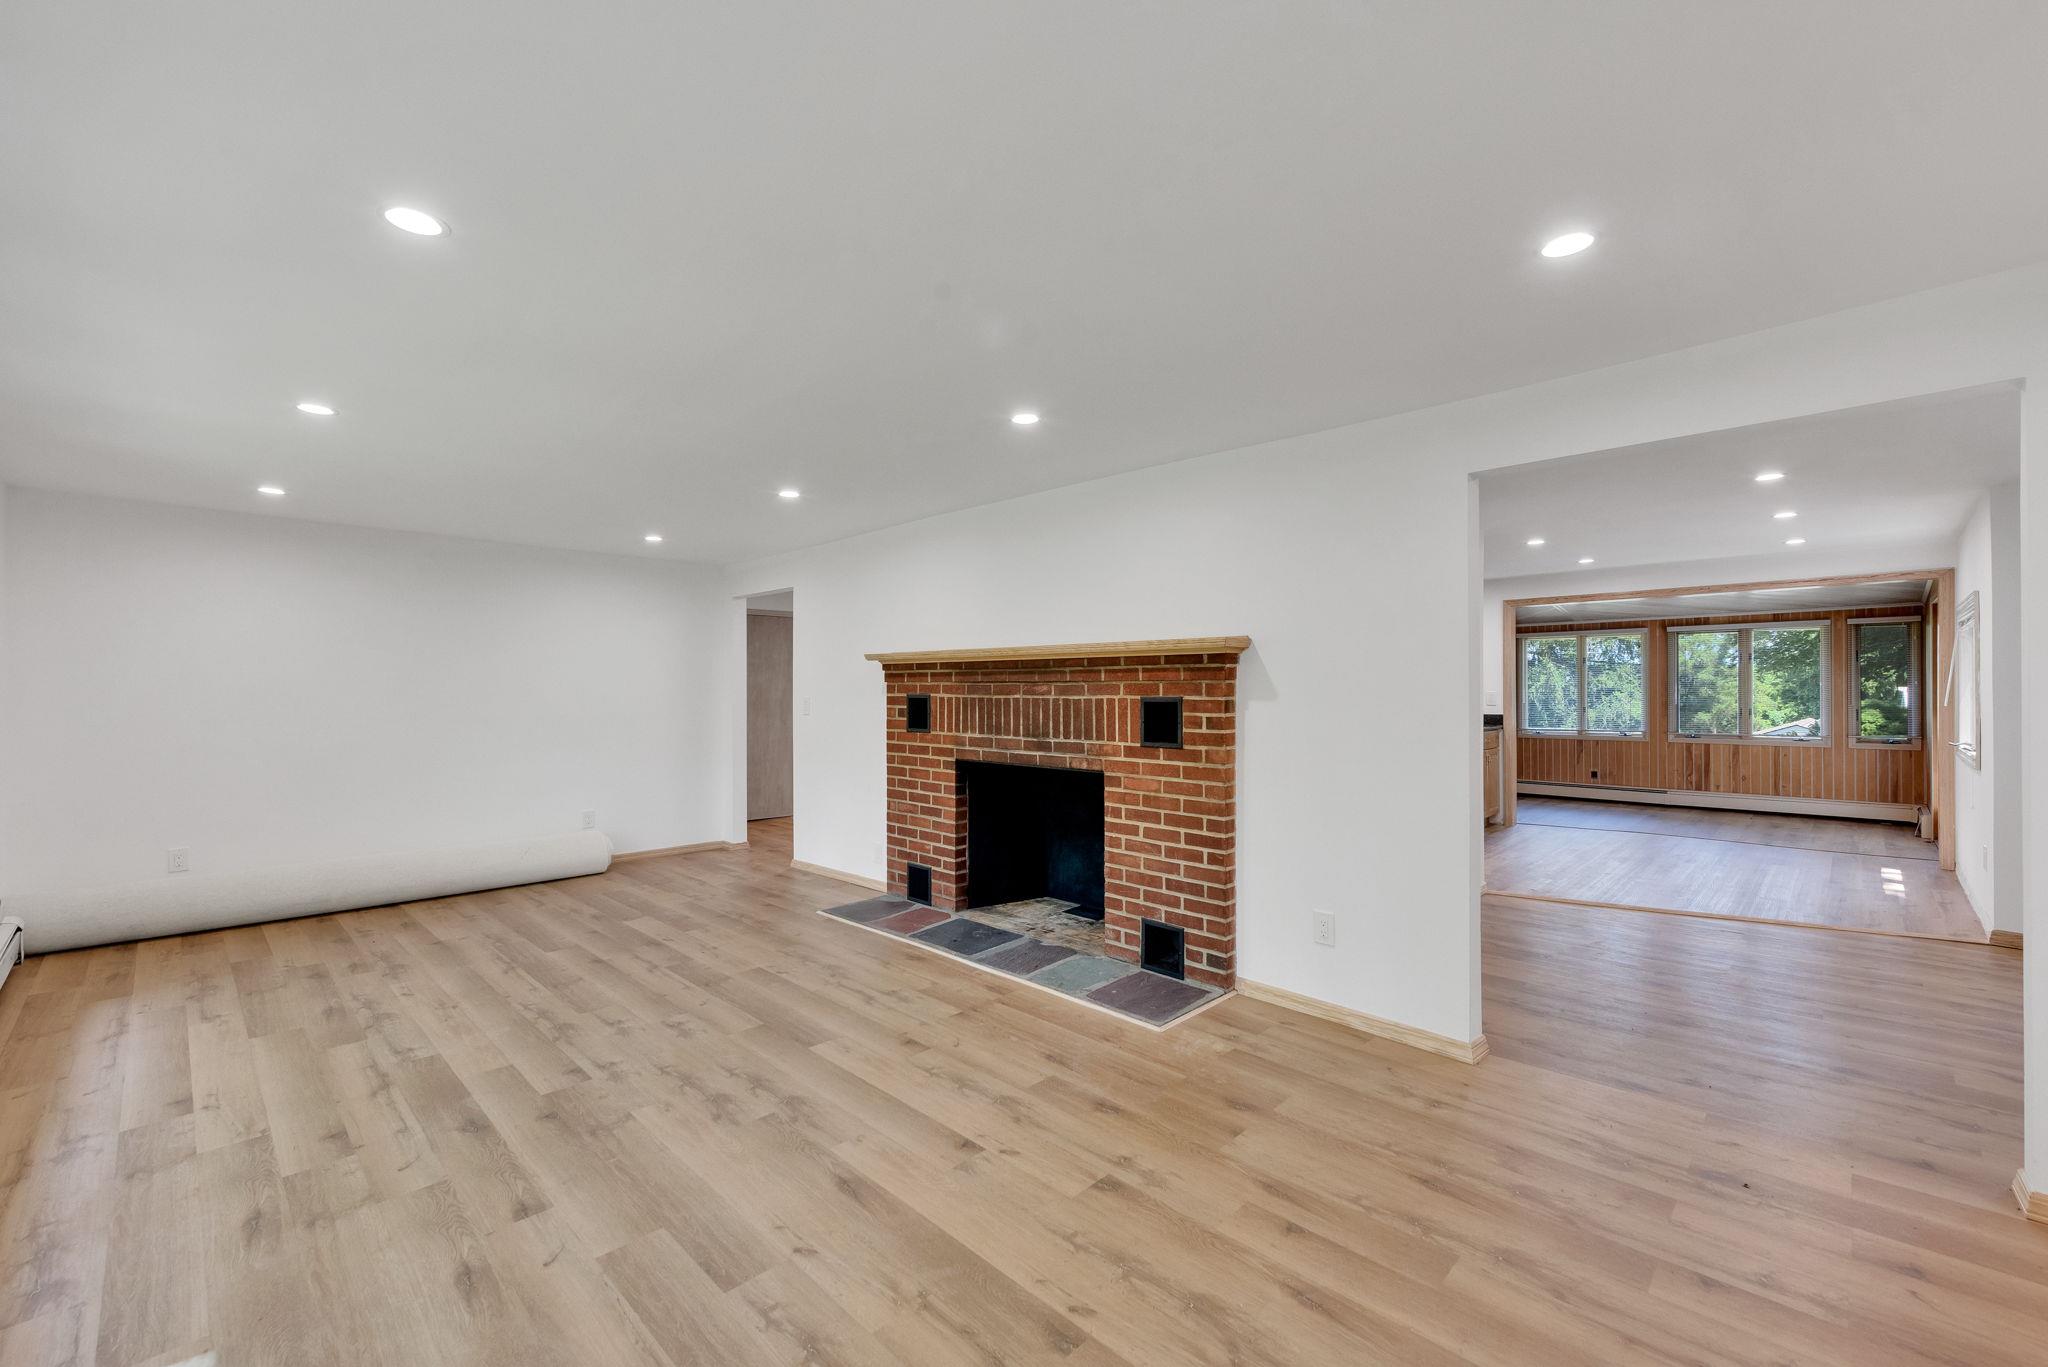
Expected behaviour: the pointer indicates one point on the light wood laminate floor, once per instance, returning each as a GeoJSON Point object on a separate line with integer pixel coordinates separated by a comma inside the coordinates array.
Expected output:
{"type": "Point", "coordinates": [668, 1116]}
{"type": "Point", "coordinates": [1846, 875]}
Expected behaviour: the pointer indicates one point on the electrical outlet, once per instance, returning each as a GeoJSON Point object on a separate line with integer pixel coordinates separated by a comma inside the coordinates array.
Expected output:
{"type": "Point", "coordinates": [177, 860]}
{"type": "Point", "coordinates": [590, 819]}
{"type": "Point", "coordinates": [1326, 928]}
{"type": "Point", "coordinates": [807, 707]}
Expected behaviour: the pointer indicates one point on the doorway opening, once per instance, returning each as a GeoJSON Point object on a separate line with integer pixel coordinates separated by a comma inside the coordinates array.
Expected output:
{"type": "Point", "coordinates": [771, 712]}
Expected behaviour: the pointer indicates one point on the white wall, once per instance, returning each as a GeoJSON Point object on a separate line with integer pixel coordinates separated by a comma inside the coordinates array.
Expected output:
{"type": "Point", "coordinates": [266, 691]}
{"type": "Point", "coordinates": [1988, 797]}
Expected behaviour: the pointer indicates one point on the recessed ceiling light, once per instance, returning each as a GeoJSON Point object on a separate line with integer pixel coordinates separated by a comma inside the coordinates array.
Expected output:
{"type": "Point", "coordinates": [318, 410]}
{"type": "Point", "coordinates": [1770, 477]}
{"type": "Point", "coordinates": [270, 491]}
{"type": "Point", "coordinates": [1585, 560]}
{"type": "Point", "coordinates": [1024, 419]}
{"type": "Point", "coordinates": [1569, 244]}
{"type": "Point", "coordinates": [1535, 541]}
{"type": "Point", "coordinates": [789, 493]}
{"type": "Point", "coordinates": [652, 538]}
{"type": "Point", "coordinates": [415, 221]}
{"type": "Point", "coordinates": [1785, 516]}
{"type": "Point", "coordinates": [1796, 541]}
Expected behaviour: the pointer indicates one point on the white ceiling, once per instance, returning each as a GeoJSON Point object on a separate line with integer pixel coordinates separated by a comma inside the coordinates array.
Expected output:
{"type": "Point", "coordinates": [702, 250]}
{"type": "Point", "coordinates": [1885, 475]}
{"type": "Point", "coordinates": [1741, 602]}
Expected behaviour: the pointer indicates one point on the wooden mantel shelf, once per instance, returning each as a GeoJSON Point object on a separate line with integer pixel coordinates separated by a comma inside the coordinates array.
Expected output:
{"type": "Point", "coordinates": [1186, 645]}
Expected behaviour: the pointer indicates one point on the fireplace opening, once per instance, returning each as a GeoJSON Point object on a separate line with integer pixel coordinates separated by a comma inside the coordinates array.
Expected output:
{"type": "Point", "coordinates": [1162, 948]}
{"type": "Point", "coordinates": [1033, 832]}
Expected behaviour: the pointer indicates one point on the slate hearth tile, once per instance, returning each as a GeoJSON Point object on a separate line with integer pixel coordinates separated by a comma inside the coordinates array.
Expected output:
{"type": "Point", "coordinates": [912, 921]}
{"type": "Point", "coordinates": [1150, 996]}
{"type": "Point", "coordinates": [1082, 974]}
{"type": "Point", "coordinates": [967, 938]}
{"type": "Point", "coordinates": [871, 910]}
{"type": "Point", "coordinates": [1027, 958]}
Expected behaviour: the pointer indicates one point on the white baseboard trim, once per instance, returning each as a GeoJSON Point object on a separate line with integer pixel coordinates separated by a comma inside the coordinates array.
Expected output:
{"type": "Point", "coordinates": [1465, 1051]}
{"type": "Point", "coordinates": [666, 850]}
{"type": "Point", "coordinates": [871, 884]}
{"type": "Point", "coordinates": [11, 939]}
{"type": "Point", "coordinates": [1739, 802]}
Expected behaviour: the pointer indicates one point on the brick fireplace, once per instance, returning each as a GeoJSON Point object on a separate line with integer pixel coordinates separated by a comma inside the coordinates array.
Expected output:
{"type": "Point", "coordinates": [1158, 721]}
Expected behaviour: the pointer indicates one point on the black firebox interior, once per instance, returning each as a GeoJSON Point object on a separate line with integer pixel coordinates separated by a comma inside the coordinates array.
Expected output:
{"type": "Point", "coordinates": [1033, 833]}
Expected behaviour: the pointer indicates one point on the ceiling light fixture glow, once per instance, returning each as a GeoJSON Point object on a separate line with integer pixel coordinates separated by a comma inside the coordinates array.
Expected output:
{"type": "Point", "coordinates": [270, 491]}
{"type": "Point", "coordinates": [1026, 419]}
{"type": "Point", "coordinates": [318, 410]}
{"type": "Point", "coordinates": [652, 538]}
{"type": "Point", "coordinates": [1785, 516]}
{"type": "Point", "coordinates": [417, 221]}
{"type": "Point", "coordinates": [1796, 541]}
{"type": "Point", "coordinates": [1535, 541]}
{"type": "Point", "coordinates": [1770, 477]}
{"type": "Point", "coordinates": [1567, 244]}
{"type": "Point", "coordinates": [1585, 560]}
{"type": "Point", "coordinates": [789, 493]}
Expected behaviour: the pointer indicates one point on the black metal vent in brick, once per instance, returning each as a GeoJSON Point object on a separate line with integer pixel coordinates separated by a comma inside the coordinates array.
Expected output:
{"type": "Point", "coordinates": [1162, 949]}
{"type": "Point", "coordinates": [917, 884]}
{"type": "Point", "coordinates": [1159, 722]}
{"type": "Point", "coordinates": [917, 712]}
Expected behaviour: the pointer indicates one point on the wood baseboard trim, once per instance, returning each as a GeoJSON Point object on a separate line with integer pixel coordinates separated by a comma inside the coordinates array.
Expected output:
{"type": "Point", "coordinates": [631, 855]}
{"type": "Point", "coordinates": [871, 884]}
{"type": "Point", "coordinates": [2033, 1204]}
{"type": "Point", "coordinates": [1462, 1050]}
{"type": "Point", "coordinates": [2008, 939]}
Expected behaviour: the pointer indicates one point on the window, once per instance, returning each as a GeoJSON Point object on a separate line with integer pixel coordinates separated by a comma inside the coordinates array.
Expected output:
{"type": "Point", "coordinates": [1788, 672]}
{"type": "Point", "coordinates": [1708, 669]}
{"type": "Point", "coordinates": [1965, 684]}
{"type": "Point", "coordinates": [1616, 684]}
{"type": "Point", "coordinates": [1887, 682]}
{"type": "Point", "coordinates": [1584, 683]}
{"type": "Point", "coordinates": [1550, 683]}
{"type": "Point", "coordinates": [1761, 683]}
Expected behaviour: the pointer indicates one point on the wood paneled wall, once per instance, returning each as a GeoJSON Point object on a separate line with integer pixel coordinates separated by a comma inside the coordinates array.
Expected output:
{"type": "Point", "coordinates": [1837, 770]}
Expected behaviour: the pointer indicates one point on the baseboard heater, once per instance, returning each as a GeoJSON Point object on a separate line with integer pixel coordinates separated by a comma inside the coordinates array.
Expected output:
{"type": "Point", "coordinates": [179, 904]}
{"type": "Point", "coordinates": [1738, 802]}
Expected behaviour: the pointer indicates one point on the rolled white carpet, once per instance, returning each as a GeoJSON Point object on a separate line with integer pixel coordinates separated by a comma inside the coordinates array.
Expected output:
{"type": "Point", "coordinates": [180, 903]}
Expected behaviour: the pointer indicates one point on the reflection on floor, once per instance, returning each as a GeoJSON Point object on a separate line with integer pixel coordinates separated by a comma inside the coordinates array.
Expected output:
{"type": "Point", "coordinates": [1086, 974]}
{"type": "Point", "coordinates": [1849, 875]}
